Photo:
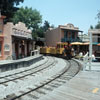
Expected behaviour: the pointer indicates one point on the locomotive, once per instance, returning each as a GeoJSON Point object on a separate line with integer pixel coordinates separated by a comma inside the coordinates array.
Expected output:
{"type": "Point", "coordinates": [61, 49]}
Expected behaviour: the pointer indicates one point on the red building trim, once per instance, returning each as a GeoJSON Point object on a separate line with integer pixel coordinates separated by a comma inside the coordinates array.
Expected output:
{"type": "Point", "coordinates": [2, 40]}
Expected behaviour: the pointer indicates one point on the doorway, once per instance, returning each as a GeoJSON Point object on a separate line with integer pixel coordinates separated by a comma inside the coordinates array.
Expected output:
{"type": "Point", "coordinates": [16, 50]}
{"type": "Point", "coordinates": [23, 51]}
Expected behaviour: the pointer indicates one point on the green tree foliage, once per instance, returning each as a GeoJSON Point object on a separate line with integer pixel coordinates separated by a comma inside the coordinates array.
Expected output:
{"type": "Point", "coordinates": [42, 30]}
{"type": "Point", "coordinates": [98, 16]}
{"type": "Point", "coordinates": [31, 18]}
{"type": "Point", "coordinates": [7, 8]}
{"type": "Point", "coordinates": [98, 24]}
{"type": "Point", "coordinates": [91, 27]}
{"type": "Point", "coordinates": [46, 26]}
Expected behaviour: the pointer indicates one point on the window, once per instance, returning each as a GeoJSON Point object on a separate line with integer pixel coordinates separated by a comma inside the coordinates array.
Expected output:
{"type": "Point", "coordinates": [0, 31]}
{"type": "Point", "coordinates": [58, 45]}
{"type": "Point", "coordinates": [1, 27]}
{"type": "Point", "coordinates": [65, 34]}
{"type": "Point", "coordinates": [99, 38]}
{"type": "Point", "coordinates": [73, 35]}
{"type": "Point", "coordinates": [62, 46]}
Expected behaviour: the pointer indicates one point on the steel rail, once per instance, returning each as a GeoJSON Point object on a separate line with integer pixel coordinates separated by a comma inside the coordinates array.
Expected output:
{"type": "Point", "coordinates": [65, 70]}
{"type": "Point", "coordinates": [25, 70]}
{"type": "Point", "coordinates": [28, 74]}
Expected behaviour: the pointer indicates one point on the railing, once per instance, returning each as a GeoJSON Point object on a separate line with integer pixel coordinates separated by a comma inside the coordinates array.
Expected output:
{"type": "Point", "coordinates": [71, 39]}
{"type": "Point", "coordinates": [85, 60]}
{"type": "Point", "coordinates": [35, 52]}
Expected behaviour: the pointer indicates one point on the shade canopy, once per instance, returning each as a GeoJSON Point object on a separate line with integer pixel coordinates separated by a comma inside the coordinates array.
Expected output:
{"type": "Point", "coordinates": [98, 44]}
{"type": "Point", "coordinates": [86, 43]}
{"type": "Point", "coordinates": [76, 43]}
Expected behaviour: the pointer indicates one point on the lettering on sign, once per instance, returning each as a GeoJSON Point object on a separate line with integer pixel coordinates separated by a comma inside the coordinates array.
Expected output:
{"type": "Point", "coordinates": [21, 34]}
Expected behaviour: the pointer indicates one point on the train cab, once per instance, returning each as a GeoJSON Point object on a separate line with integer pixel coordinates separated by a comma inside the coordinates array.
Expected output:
{"type": "Point", "coordinates": [60, 47]}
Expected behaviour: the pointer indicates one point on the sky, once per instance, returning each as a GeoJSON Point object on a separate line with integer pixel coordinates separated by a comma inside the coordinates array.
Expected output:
{"type": "Point", "coordinates": [81, 13]}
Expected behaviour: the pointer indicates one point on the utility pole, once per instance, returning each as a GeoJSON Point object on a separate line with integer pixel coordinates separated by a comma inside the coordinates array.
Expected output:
{"type": "Point", "coordinates": [90, 51]}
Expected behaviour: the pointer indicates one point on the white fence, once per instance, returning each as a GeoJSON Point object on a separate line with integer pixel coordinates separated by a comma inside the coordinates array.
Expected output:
{"type": "Point", "coordinates": [85, 60]}
{"type": "Point", "coordinates": [35, 52]}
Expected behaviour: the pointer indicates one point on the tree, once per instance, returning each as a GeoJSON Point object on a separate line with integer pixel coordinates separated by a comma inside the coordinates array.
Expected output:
{"type": "Point", "coordinates": [46, 26]}
{"type": "Point", "coordinates": [7, 8]}
{"type": "Point", "coordinates": [31, 18]}
{"type": "Point", "coordinates": [98, 24]}
{"type": "Point", "coordinates": [98, 16]}
{"type": "Point", "coordinates": [91, 27]}
{"type": "Point", "coordinates": [42, 30]}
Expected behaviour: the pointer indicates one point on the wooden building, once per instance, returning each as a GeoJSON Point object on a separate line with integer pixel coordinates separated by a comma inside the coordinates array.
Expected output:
{"type": "Point", "coordinates": [62, 33]}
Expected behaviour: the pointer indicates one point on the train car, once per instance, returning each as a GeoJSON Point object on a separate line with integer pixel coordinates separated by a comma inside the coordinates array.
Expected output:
{"type": "Point", "coordinates": [53, 51]}
{"type": "Point", "coordinates": [60, 48]}
{"type": "Point", "coordinates": [45, 50]}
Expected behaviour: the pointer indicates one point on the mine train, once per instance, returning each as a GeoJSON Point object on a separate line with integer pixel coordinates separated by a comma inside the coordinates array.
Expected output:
{"type": "Point", "coordinates": [59, 50]}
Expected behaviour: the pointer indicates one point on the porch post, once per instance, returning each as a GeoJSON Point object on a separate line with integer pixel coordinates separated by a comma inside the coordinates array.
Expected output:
{"type": "Point", "coordinates": [90, 51]}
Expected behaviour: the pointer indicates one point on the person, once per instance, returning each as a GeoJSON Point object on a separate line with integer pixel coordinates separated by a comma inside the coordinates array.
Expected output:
{"type": "Point", "coordinates": [93, 58]}
{"type": "Point", "coordinates": [81, 54]}
{"type": "Point", "coordinates": [73, 52]}
{"type": "Point", "coordinates": [68, 51]}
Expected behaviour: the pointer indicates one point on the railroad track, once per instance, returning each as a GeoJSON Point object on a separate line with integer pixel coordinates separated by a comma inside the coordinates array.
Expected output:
{"type": "Point", "coordinates": [28, 72]}
{"type": "Point", "coordinates": [24, 70]}
{"type": "Point", "coordinates": [71, 69]}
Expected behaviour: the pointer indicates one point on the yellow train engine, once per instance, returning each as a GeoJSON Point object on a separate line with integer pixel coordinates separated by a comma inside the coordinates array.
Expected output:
{"type": "Point", "coordinates": [58, 50]}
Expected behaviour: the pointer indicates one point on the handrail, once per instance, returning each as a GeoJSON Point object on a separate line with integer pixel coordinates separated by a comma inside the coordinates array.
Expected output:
{"type": "Point", "coordinates": [85, 60]}
{"type": "Point", "coordinates": [35, 52]}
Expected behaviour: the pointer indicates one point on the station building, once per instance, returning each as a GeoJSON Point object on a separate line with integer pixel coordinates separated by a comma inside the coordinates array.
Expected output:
{"type": "Point", "coordinates": [15, 40]}
{"type": "Point", "coordinates": [95, 41]}
{"type": "Point", "coordinates": [62, 33]}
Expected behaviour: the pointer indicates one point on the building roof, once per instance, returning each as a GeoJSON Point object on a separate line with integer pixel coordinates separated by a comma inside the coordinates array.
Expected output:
{"type": "Point", "coordinates": [94, 31]}
{"type": "Point", "coordinates": [18, 37]}
{"type": "Point", "coordinates": [70, 27]}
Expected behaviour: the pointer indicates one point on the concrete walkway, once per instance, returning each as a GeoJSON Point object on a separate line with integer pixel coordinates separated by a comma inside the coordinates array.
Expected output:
{"type": "Point", "coordinates": [32, 80]}
{"type": "Point", "coordinates": [95, 66]}
{"type": "Point", "coordinates": [84, 86]}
